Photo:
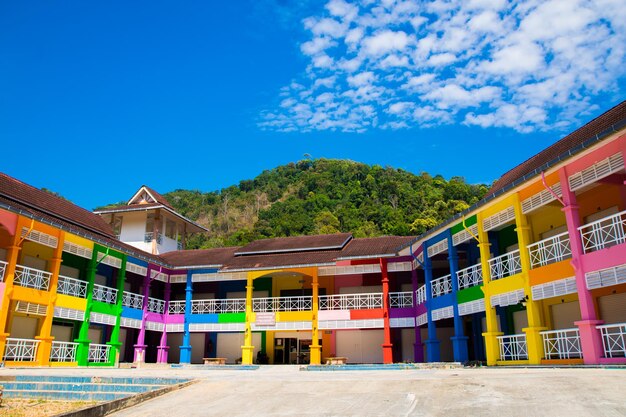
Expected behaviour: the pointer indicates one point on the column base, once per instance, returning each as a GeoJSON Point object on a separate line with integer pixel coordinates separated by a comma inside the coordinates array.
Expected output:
{"type": "Point", "coordinates": [590, 341]}
{"type": "Point", "coordinates": [534, 344]}
{"type": "Point", "coordinates": [387, 353]}
{"type": "Point", "coordinates": [315, 355]}
{"type": "Point", "coordinates": [247, 354]}
{"type": "Point", "coordinates": [140, 354]}
{"type": "Point", "coordinates": [459, 348]}
{"type": "Point", "coordinates": [433, 353]}
{"type": "Point", "coordinates": [492, 347]}
{"type": "Point", "coordinates": [185, 354]}
{"type": "Point", "coordinates": [418, 352]}
{"type": "Point", "coordinates": [162, 352]}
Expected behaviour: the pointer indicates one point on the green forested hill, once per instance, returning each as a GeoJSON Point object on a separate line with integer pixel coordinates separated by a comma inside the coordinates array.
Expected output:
{"type": "Point", "coordinates": [324, 196]}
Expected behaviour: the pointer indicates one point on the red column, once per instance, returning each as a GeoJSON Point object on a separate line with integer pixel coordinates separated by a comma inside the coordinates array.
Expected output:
{"type": "Point", "coordinates": [387, 345]}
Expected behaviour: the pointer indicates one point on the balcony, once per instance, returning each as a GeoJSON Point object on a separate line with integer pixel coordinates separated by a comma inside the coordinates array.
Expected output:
{"type": "Point", "coordinates": [420, 295]}
{"type": "Point", "coordinates": [550, 250]}
{"type": "Point", "coordinates": [470, 277]}
{"type": "Point", "coordinates": [99, 353]}
{"type": "Point", "coordinates": [63, 352]}
{"type": "Point", "coordinates": [3, 267]}
{"type": "Point", "coordinates": [176, 307]}
{"type": "Point", "coordinates": [21, 350]}
{"type": "Point", "coordinates": [513, 347]}
{"type": "Point", "coordinates": [562, 344]}
{"type": "Point", "coordinates": [104, 294]}
{"type": "Point", "coordinates": [351, 301]}
{"type": "Point", "coordinates": [32, 278]}
{"type": "Point", "coordinates": [72, 286]}
{"type": "Point", "coordinates": [603, 233]}
{"type": "Point", "coordinates": [132, 300]}
{"type": "Point", "coordinates": [613, 340]}
{"type": "Point", "coordinates": [441, 286]}
{"type": "Point", "coordinates": [156, 306]}
{"type": "Point", "coordinates": [267, 304]}
{"type": "Point", "coordinates": [148, 237]}
{"type": "Point", "coordinates": [505, 265]}
{"type": "Point", "coordinates": [233, 305]}
{"type": "Point", "coordinates": [401, 299]}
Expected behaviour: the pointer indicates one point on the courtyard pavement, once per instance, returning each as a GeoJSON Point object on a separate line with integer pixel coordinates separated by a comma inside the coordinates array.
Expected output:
{"type": "Point", "coordinates": [289, 391]}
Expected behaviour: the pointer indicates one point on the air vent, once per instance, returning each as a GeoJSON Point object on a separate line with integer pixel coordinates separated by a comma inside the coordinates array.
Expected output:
{"type": "Point", "coordinates": [154, 326]}
{"type": "Point", "coordinates": [178, 278]}
{"type": "Point", "coordinates": [351, 324]}
{"type": "Point", "coordinates": [476, 306]}
{"type": "Point", "coordinates": [131, 323]}
{"type": "Point", "coordinates": [136, 269]}
{"type": "Point", "coordinates": [596, 171]}
{"type": "Point", "coordinates": [44, 239]}
{"type": "Point", "coordinates": [442, 313]}
{"type": "Point", "coordinates": [540, 199]}
{"type": "Point", "coordinates": [31, 308]}
{"type": "Point", "coordinates": [402, 322]}
{"type": "Point", "coordinates": [507, 298]}
{"type": "Point", "coordinates": [422, 319]}
{"type": "Point", "coordinates": [174, 328]}
{"type": "Point", "coordinates": [77, 250]}
{"type": "Point", "coordinates": [499, 219]}
{"type": "Point", "coordinates": [69, 313]}
{"type": "Point", "coordinates": [159, 276]}
{"type": "Point", "coordinates": [217, 327]}
{"type": "Point", "coordinates": [464, 235]}
{"type": "Point", "coordinates": [438, 247]}
{"type": "Point", "coordinates": [606, 277]}
{"type": "Point", "coordinates": [103, 318]}
{"type": "Point", "coordinates": [554, 288]}
{"type": "Point", "coordinates": [109, 260]}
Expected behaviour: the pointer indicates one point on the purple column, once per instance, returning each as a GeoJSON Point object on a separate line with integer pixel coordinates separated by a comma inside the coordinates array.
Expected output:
{"type": "Point", "coordinates": [140, 346]}
{"type": "Point", "coordinates": [418, 347]}
{"type": "Point", "coordinates": [163, 348]}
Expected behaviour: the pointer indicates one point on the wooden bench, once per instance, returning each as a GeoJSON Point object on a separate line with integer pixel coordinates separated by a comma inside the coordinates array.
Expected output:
{"type": "Point", "coordinates": [336, 361]}
{"type": "Point", "coordinates": [214, 361]}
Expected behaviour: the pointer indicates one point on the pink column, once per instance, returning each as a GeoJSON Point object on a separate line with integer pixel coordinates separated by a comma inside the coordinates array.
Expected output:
{"type": "Point", "coordinates": [590, 339]}
{"type": "Point", "coordinates": [163, 349]}
{"type": "Point", "coordinates": [140, 346]}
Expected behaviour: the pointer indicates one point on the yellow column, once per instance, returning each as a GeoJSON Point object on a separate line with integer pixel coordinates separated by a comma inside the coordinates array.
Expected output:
{"type": "Point", "coordinates": [534, 342]}
{"type": "Point", "coordinates": [247, 350]}
{"type": "Point", "coordinates": [316, 349]}
{"type": "Point", "coordinates": [492, 347]}
{"type": "Point", "coordinates": [9, 274]}
{"type": "Point", "coordinates": [45, 338]}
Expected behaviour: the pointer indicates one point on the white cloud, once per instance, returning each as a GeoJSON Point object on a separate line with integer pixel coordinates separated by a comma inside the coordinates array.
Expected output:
{"type": "Point", "coordinates": [396, 64]}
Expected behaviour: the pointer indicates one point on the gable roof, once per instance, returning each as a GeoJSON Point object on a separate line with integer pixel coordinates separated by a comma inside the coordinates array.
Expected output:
{"type": "Point", "coordinates": [215, 257]}
{"type": "Point", "coordinates": [334, 241]}
{"type": "Point", "coordinates": [153, 197]}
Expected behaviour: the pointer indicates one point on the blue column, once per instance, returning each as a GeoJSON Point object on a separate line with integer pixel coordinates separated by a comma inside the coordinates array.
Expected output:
{"type": "Point", "coordinates": [433, 353]}
{"type": "Point", "coordinates": [459, 340]}
{"type": "Point", "coordinates": [185, 349]}
{"type": "Point", "coordinates": [477, 337]}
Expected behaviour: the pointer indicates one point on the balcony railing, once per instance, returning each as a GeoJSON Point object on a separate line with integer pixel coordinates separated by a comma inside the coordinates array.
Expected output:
{"type": "Point", "coordinates": [299, 303]}
{"type": "Point", "coordinates": [470, 277]}
{"type": "Point", "coordinates": [420, 295]}
{"type": "Point", "coordinates": [401, 299]}
{"type": "Point", "coordinates": [132, 300]}
{"type": "Point", "coordinates": [155, 305]}
{"type": "Point", "coordinates": [21, 350]}
{"type": "Point", "coordinates": [561, 344]}
{"type": "Point", "coordinates": [104, 294]}
{"type": "Point", "coordinates": [3, 267]}
{"type": "Point", "coordinates": [351, 301]}
{"type": "Point", "coordinates": [63, 352]}
{"type": "Point", "coordinates": [550, 250]}
{"type": "Point", "coordinates": [513, 347]}
{"type": "Point", "coordinates": [99, 353]}
{"type": "Point", "coordinates": [441, 286]}
{"type": "Point", "coordinates": [505, 265]}
{"type": "Point", "coordinates": [72, 286]}
{"type": "Point", "coordinates": [176, 307]}
{"type": "Point", "coordinates": [32, 278]}
{"type": "Point", "coordinates": [232, 305]}
{"type": "Point", "coordinates": [603, 233]}
{"type": "Point", "coordinates": [614, 340]}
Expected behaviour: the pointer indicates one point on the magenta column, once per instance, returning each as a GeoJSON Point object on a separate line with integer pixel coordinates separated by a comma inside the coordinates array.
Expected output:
{"type": "Point", "coordinates": [590, 339]}
{"type": "Point", "coordinates": [140, 346]}
{"type": "Point", "coordinates": [163, 348]}
{"type": "Point", "coordinates": [418, 347]}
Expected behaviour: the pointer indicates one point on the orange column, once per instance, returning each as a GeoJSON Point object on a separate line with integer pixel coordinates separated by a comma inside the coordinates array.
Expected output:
{"type": "Point", "coordinates": [387, 345]}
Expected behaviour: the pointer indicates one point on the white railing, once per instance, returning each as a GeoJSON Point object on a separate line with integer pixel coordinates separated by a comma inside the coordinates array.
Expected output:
{"type": "Point", "coordinates": [72, 286]}
{"type": "Point", "coordinates": [232, 305]}
{"type": "Point", "coordinates": [155, 305]}
{"type": "Point", "coordinates": [63, 352]}
{"type": "Point", "coordinates": [31, 278]}
{"type": "Point", "coordinates": [470, 277]}
{"type": "Point", "coordinates": [132, 300]}
{"type": "Point", "coordinates": [3, 267]}
{"type": "Point", "coordinates": [298, 303]}
{"type": "Point", "coordinates": [147, 238]}
{"type": "Point", "coordinates": [550, 250]}
{"type": "Point", "coordinates": [99, 353]}
{"type": "Point", "coordinates": [505, 265]}
{"type": "Point", "coordinates": [603, 233]}
{"type": "Point", "coordinates": [420, 295]}
{"type": "Point", "coordinates": [613, 340]}
{"type": "Point", "coordinates": [351, 301]}
{"type": "Point", "coordinates": [176, 307]}
{"type": "Point", "coordinates": [561, 344]}
{"type": "Point", "coordinates": [104, 294]}
{"type": "Point", "coordinates": [513, 347]}
{"type": "Point", "coordinates": [441, 286]}
{"type": "Point", "coordinates": [20, 350]}
{"type": "Point", "coordinates": [401, 299]}
{"type": "Point", "coordinates": [179, 245]}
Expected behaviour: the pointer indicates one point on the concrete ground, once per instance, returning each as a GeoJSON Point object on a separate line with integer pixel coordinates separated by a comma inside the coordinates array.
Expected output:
{"type": "Point", "coordinates": [288, 391]}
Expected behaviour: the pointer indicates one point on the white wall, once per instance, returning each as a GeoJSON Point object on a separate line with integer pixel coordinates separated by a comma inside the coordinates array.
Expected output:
{"type": "Point", "coordinates": [134, 229]}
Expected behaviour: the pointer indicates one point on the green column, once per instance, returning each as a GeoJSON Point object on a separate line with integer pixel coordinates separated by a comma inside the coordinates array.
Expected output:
{"type": "Point", "coordinates": [82, 351]}
{"type": "Point", "coordinates": [115, 334]}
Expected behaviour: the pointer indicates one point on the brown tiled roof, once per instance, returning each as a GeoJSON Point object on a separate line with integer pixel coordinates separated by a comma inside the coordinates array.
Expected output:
{"type": "Point", "coordinates": [159, 198]}
{"type": "Point", "coordinates": [296, 244]}
{"type": "Point", "coordinates": [199, 257]}
{"type": "Point", "coordinates": [569, 142]}
{"type": "Point", "coordinates": [279, 260]}
{"type": "Point", "coordinates": [45, 203]}
{"type": "Point", "coordinates": [374, 246]}
{"type": "Point", "coordinates": [126, 207]}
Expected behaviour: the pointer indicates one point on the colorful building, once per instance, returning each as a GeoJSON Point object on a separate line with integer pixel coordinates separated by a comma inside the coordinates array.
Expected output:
{"type": "Point", "coordinates": [534, 273]}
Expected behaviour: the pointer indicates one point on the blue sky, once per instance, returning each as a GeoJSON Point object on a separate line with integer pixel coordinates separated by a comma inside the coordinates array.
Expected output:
{"type": "Point", "coordinates": [98, 98]}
